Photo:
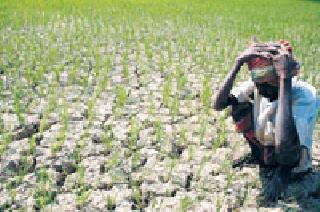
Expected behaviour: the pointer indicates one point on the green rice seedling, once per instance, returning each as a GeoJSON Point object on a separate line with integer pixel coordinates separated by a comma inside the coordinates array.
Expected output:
{"type": "Point", "coordinates": [204, 160]}
{"type": "Point", "coordinates": [221, 134]}
{"type": "Point", "coordinates": [82, 197]}
{"type": "Point", "coordinates": [125, 66]}
{"type": "Point", "coordinates": [190, 152]}
{"type": "Point", "coordinates": [218, 204]}
{"type": "Point", "coordinates": [5, 141]}
{"type": "Point", "coordinates": [159, 131]}
{"type": "Point", "coordinates": [111, 202]}
{"type": "Point", "coordinates": [80, 171]}
{"type": "Point", "coordinates": [182, 137]}
{"type": "Point", "coordinates": [91, 111]}
{"type": "Point", "coordinates": [151, 106]}
{"type": "Point", "coordinates": [170, 166]}
{"type": "Point", "coordinates": [107, 137]}
{"type": "Point", "coordinates": [185, 203]}
{"type": "Point", "coordinates": [135, 160]}
{"type": "Point", "coordinates": [57, 145]}
{"type": "Point", "coordinates": [161, 65]}
{"type": "Point", "coordinates": [133, 133]}
{"type": "Point", "coordinates": [230, 177]}
{"type": "Point", "coordinates": [148, 50]}
{"type": "Point", "coordinates": [174, 108]}
{"type": "Point", "coordinates": [19, 108]}
{"type": "Point", "coordinates": [167, 89]}
{"type": "Point", "coordinates": [44, 122]}
{"type": "Point", "coordinates": [181, 79]}
{"type": "Point", "coordinates": [43, 195]}
{"type": "Point", "coordinates": [64, 115]}
{"type": "Point", "coordinates": [121, 94]}
{"type": "Point", "coordinates": [206, 94]}
{"type": "Point", "coordinates": [125, 71]}
{"type": "Point", "coordinates": [32, 145]}
{"type": "Point", "coordinates": [2, 130]}
{"type": "Point", "coordinates": [113, 161]}
{"type": "Point", "coordinates": [203, 128]}
{"type": "Point", "coordinates": [137, 198]}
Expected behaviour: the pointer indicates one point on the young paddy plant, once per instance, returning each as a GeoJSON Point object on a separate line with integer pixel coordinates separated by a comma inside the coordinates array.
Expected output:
{"type": "Point", "coordinates": [203, 128]}
{"type": "Point", "coordinates": [185, 204]}
{"type": "Point", "coordinates": [5, 141]}
{"type": "Point", "coordinates": [59, 142]}
{"type": "Point", "coordinates": [44, 194]}
{"type": "Point", "coordinates": [181, 78]}
{"type": "Point", "coordinates": [221, 137]}
{"type": "Point", "coordinates": [121, 99]}
{"type": "Point", "coordinates": [159, 130]}
{"type": "Point", "coordinates": [206, 94]}
{"type": "Point", "coordinates": [133, 134]}
{"type": "Point", "coordinates": [107, 138]}
{"type": "Point", "coordinates": [82, 191]}
{"type": "Point", "coordinates": [174, 108]}
{"type": "Point", "coordinates": [111, 202]}
{"type": "Point", "coordinates": [19, 106]}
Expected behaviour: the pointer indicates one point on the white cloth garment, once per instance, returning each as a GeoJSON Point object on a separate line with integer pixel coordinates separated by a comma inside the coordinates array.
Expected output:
{"type": "Point", "coordinates": [305, 105]}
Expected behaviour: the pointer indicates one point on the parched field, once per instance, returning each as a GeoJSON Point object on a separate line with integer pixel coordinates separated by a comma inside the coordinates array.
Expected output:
{"type": "Point", "coordinates": [107, 105]}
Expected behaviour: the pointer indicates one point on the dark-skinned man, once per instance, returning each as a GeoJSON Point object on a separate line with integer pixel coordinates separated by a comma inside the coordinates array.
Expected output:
{"type": "Point", "coordinates": [275, 112]}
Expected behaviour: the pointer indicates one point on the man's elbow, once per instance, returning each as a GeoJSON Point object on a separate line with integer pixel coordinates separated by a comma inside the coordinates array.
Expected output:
{"type": "Point", "coordinates": [218, 106]}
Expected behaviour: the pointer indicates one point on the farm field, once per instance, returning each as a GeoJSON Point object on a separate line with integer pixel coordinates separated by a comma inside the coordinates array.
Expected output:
{"type": "Point", "coordinates": [107, 105]}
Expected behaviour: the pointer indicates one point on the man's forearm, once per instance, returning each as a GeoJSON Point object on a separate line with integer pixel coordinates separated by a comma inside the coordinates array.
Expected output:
{"type": "Point", "coordinates": [221, 100]}
{"type": "Point", "coordinates": [286, 133]}
{"type": "Point", "coordinates": [286, 125]}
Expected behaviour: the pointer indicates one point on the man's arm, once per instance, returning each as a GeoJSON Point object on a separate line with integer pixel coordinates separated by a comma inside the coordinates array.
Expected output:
{"type": "Point", "coordinates": [287, 143]}
{"type": "Point", "coordinates": [224, 98]}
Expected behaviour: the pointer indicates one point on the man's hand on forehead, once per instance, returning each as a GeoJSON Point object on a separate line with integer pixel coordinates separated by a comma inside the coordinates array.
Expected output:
{"type": "Point", "coordinates": [272, 48]}
{"type": "Point", "coordinates": [253, 52]}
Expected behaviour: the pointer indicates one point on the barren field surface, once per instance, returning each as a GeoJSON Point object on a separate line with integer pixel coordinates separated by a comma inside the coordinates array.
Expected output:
{"type": "Point", "coordinates": [108, 106]}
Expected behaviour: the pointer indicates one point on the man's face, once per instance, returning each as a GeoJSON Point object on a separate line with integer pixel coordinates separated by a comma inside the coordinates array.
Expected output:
{"type": "Point", "coordinates": [267, 90]}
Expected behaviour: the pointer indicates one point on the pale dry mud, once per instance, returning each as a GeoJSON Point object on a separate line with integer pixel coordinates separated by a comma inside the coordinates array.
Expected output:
{"type": "Point", "coordinates": [80, 147]}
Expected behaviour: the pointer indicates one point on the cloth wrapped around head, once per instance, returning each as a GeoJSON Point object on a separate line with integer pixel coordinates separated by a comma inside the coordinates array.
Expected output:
{"type": "Point", "coordinates": [262, 69]}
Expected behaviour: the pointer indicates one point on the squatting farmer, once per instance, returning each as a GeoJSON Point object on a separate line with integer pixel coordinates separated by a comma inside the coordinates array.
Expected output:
{"type": "Point", "coordinates": [274, 110]}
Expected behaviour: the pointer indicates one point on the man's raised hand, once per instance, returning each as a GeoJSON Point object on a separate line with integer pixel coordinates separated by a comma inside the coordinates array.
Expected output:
{"type": "Point", "coordinates": [252, 52]}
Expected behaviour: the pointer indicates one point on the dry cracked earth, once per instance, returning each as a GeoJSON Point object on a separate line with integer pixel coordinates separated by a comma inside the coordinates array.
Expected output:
{"type": "Point", "coordinates": [132, 136]}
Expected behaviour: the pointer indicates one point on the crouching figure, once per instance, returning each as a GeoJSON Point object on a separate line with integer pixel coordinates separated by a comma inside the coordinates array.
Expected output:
{"type": "Point", "coordinates": [274, 110]}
